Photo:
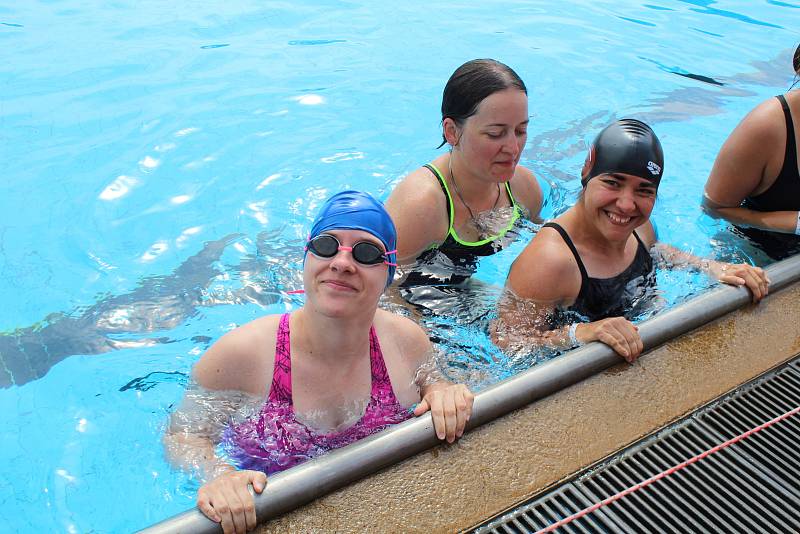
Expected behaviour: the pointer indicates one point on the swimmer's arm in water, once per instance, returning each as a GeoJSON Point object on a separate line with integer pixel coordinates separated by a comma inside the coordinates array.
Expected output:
{"type": "Point", "coordinates": [785, 222]}
{"type": "Point", "coordinates": [222, 386]}
{"type": "Point", "coordinates": [418, 208]}
{"type": "Point", "coordinates": [741, 274]}
{"type": "Point", "coordinates": [189, 445]}
{"type": "Point", "coordinates": [219, 386]}
{"type": "Point", "coordinates": [523, 322]}
{"type": "Point", "coordinates": [740, 168]}
{"type": "Point", "coordinates": [189, 437]}
{"type": "Point", "coordinates": [450, 404]}
{"type": "Point", "coordinates": [543, 277]}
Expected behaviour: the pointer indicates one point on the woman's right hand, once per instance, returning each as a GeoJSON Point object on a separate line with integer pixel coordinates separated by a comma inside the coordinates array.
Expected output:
{"type": "Point", "coordinates": [227, 500]}
{"type": "Point", "coordinates": [616, 332]}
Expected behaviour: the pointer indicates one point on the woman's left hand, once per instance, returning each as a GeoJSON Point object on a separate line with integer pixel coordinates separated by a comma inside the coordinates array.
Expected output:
{"type": "Point", "coordinates": [742, 274]}
{"type": "Point", "coordinates": [450, 406]}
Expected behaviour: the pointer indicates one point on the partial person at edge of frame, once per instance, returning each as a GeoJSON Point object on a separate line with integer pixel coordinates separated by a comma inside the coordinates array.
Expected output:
{"type": "Point", "coordinates": [755, 180]}
{"type": "Point", "coordinates": [460, 206]}
{"type": "Point", "coordinates": [317, 378]}
{"type": "Point", "coordinates": [594, 261]}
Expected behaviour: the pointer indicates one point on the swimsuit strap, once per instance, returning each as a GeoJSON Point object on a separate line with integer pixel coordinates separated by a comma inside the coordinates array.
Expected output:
{"type": "Point", "coordinates": [565, 236]}
{"type": "Point", "coordinates": [451, 231]}
{"type": "Point", "coordinates": [639, 239]}
{"type": "Point", "coordinates": [280, 392]}
{"type": "Point", "coordinates": [791, 145]}
{"type": "Point", "coordinates": [451, 212]}
{"type": "Point", "coordinates": [511, 196]}
{"type": "Point", "coordinates": [381, 384]}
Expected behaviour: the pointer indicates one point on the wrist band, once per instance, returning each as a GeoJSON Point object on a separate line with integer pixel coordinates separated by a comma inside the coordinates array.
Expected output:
{"type": "Point", "coordinates": [573, 340]}
{"type": "Point", "coordinates": [797, 225]}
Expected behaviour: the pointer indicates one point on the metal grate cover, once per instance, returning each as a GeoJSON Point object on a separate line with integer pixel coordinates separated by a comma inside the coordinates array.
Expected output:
{"type": "Point", "coordinates": [750, 486]}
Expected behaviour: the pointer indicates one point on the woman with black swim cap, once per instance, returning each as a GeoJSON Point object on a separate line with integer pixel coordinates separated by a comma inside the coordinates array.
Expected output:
{"type": "Point", "coordinates": [595, 260]}
{"type": "Point", "coordinates": [465, 204]}
{"type": "Point", "coordinates": [755, 181]}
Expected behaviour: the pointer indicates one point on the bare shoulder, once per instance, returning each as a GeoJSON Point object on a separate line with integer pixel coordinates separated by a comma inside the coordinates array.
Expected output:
{"type": "Point", "coordinates": [750, 155]}
{"type": "Point", "coordinates": [405, 347]}
{"type": "Point", "coordinates": [404, 335]}
{"type": "Point", "coordinates": [546, 270]}
{"type": "Point", "coordinates": [242, 359]}
{"type": "Point", "coordinates": [401, 329]}
{"type": "Point", "coordinates": [766, 119]}
{"type": "Point", "coordinates": [419, 189]}
{"type": "Point", "coordinates": [418, 207]}
{"type": "Point", "coordinates": [527, 191]}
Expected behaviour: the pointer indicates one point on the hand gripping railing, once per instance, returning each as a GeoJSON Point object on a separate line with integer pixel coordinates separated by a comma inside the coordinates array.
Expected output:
{"type": "Point", "coordinates": [315, 478]}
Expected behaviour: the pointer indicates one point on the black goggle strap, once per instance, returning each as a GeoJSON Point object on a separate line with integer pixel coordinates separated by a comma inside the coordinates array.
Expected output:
{"type": "Point", "coordinates": [384, 255]}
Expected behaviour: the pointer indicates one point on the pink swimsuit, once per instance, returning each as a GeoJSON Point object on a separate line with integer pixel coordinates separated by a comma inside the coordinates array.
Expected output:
{"type": "Point", "coordinates": [274, 440]}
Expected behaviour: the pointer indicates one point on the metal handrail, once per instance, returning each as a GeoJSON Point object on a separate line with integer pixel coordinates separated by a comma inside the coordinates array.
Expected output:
{"type": "Point", "coordinates": [302, 484]}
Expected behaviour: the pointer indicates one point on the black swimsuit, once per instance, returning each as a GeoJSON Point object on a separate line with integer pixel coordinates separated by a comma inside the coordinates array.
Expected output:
{"type": "Point", "coordinates": [782, 195]}
{"type": "Point", "coordinates": [455, 260]}
{"type": "Point", "coordinates": [600, 298]}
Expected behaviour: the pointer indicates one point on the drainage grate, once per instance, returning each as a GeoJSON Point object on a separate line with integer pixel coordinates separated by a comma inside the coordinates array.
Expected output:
{"type": "Point", "coordinates": [750, 486]}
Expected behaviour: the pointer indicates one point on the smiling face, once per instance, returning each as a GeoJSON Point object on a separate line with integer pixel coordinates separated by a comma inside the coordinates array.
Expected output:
{"type": "Point", "coordinates": [491, 141]}
{"type": "Point", "coordinates": [340, 286]}
{"type": "Point", "coordinates": [618, 203]}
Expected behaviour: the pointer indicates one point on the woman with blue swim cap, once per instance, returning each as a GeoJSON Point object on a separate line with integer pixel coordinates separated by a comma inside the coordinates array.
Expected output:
{"type": "Point", "coordinates": [334, 371]}
{"type": "Point", "coordinates": [583, 273]}
{"type": "Point", "coordinates": [755, 181]}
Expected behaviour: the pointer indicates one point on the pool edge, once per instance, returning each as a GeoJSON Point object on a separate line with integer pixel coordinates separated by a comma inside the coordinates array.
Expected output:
{"type": "Point", "coordinates": [322, 476]}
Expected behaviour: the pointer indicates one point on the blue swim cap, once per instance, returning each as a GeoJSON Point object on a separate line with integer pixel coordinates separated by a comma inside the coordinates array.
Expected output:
{"type": "Point", "coordinates": [354, 210]}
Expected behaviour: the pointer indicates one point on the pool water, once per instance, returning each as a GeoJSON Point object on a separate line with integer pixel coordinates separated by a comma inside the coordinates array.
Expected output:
{"type": "Point", "coordinates": [163, 162]}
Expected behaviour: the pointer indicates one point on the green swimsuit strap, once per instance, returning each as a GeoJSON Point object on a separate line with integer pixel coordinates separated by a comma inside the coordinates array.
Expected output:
{"type": "Point", "coordinates": [451, 212]}
{"type": "Point", "coordinates": [451, 209]}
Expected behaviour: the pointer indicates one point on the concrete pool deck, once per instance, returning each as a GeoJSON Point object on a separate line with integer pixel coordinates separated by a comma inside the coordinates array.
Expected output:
{"type": "Point", "coordinates": [502, 463]}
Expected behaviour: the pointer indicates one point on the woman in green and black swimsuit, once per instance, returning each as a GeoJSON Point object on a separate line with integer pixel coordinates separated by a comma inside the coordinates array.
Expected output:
{"type": "Point", "coordinates": [466, 203]}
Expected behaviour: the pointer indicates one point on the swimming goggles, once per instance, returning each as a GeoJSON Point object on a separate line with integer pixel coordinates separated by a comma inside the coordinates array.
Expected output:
{"type": "Point", "coordinates": [327, 246]}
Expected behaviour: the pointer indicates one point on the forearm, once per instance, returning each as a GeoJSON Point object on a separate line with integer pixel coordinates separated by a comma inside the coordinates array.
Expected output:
{"type": "Point", "coordinates": [521, 336]}
{"type": "Point", "coordinates": [677, 258]}
{"type": "Point", "coordinates": [194, 454]}
{"type": "Point", "coordinates": [429, 374]}
{"type": "Point", "coordinates": [776, 221]}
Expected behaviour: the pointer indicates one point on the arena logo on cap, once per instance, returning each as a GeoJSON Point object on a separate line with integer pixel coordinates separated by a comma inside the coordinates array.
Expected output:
{"type": "Point", "coordinates": [654, 168]}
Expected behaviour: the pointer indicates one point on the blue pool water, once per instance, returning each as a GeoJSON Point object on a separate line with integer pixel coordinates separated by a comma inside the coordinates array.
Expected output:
{"type": "Point", "coordinates": [162, 162]}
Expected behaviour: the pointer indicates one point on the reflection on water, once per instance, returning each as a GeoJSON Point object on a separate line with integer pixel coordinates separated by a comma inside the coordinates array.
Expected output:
{"type": "Point", "coordinates": [153, 379]}
{"type": "Point", "coordinates": [159, 303]}
{"type": "Point", "coordinates": [676, 105]}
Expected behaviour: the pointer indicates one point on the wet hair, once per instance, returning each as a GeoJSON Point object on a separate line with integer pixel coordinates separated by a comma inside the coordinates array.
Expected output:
{"type": "Point", "coordinates": [796, 66]}
{"type": "Point", "coordinates": [796, 61]}
{"type": "Point", "coordinates": [471, 83]}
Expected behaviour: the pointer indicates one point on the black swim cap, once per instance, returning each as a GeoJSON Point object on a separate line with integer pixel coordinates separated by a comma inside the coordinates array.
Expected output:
{"type": "Point", "coordinates": [626, 146]}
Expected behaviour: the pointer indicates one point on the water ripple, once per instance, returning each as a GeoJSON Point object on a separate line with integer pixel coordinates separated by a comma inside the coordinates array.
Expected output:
{"type": "Point", "coordinates": [725, 13]}
{"type": "Point", "coordinates": [314, 42]}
